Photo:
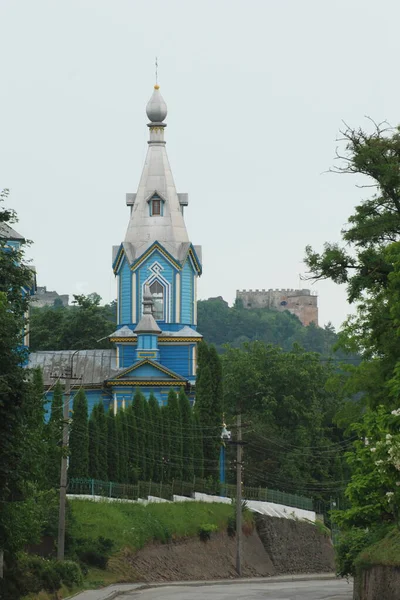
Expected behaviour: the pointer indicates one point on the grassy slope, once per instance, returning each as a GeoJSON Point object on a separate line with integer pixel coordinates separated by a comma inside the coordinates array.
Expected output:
{"type": "Point", "coordinates": [134, 525]}
{"type": "Point", "coordinates": [385, 552]}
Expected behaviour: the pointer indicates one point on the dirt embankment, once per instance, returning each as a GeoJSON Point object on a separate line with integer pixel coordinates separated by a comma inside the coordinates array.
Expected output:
{"type": "Point", "coordinates": [378, 582]}
{"type": "Point", "coordinates": [276, 546]}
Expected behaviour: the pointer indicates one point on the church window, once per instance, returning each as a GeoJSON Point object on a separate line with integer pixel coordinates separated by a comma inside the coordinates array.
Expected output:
{"type": "Point", "coordinates": [157, 291]}
{"type": "Point", "coordinates": [156, 207]}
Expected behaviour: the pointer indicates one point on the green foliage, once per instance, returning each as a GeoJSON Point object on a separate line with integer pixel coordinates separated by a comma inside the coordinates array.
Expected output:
{"type": "Point", "coordinates": [206, 530]}
{"type": "Point", "coordinates": [133, 449]}
{"type": "Point", "coordinates": [139, 410]}
{"type": "Point", "coordinates": [175, 435]}
{"type": "Point", "coordinates": [148, 424]}
{"type": "Point", "coordinates": [187, 436]}
{"type": "Point", "coordinates": [73, 327]}
{"type": "Point", "coordinates": [384, 551]}
{"type": "Point", "coordinates": [351, 544]}
{"type": "Point", "coordinates": [79, 437]}
{"type": "Point", "coordinates": [166, 443]}
{"type": "Point", "coordinates": [198, 455]}
{"type": "Point", "coordinates": [54, 429]}
{"type": "Point", "coordinates": [209, 405]}
{"type": "Point", "coordinates": [112, 446]}
{"type": "Point", "coordinates": [102, 451]}
{"type": "Point", "coordinates": [32, 574]}
{"type": "Point", "coordinates": [157, 437]}
{"type": "Point", "coordinates": [123, 445]}
{"type": "Point", "coordinates": [94, 445]}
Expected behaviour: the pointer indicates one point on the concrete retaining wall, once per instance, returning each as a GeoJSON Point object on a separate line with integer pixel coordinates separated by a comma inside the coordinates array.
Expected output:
{"type": "Point", "coordinates": [382, 583]}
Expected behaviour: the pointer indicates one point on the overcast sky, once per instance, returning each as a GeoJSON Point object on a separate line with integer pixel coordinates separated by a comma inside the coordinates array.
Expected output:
{"type": "Point", "coordinates": [256, 92]}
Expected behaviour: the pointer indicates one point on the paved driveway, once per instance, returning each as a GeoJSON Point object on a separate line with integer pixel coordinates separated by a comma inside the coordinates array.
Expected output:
{"type": "Point", "coordinates": [297, 590]}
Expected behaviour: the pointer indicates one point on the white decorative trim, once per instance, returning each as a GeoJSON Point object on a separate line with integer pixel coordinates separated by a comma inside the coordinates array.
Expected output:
{"type": "Point", "coordinates": [178, 297]}
{"type": "Point", "coordinates": [156, 269]}
{"type": "Point", "coordinates": [194, 361]}
{"type": "Point", "coordinates": [115, 404]}
{"type": "Point", "coordinates": [195, 300]}
{"type": "Point", "coordinates": [117, 356]}
{"type": "Point", "coordinates": [133, 291]}
{"type": "Point", "coordinates": [118, 297]}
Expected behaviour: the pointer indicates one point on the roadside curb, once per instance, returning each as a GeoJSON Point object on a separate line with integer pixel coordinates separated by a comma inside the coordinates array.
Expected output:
{"type": "Point", "coordinates": [125, 589]}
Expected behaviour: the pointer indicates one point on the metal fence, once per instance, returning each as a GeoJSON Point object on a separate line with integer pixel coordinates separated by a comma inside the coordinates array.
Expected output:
{"type": "Point", "coordinates": [142, 489]}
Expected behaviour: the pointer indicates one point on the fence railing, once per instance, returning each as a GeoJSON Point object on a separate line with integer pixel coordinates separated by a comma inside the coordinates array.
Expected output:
{"type": "Point", "coordinates": [142, 489]}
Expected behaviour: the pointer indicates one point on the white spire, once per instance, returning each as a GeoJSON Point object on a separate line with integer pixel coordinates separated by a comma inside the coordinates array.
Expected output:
{"type": "Point", "coordinates": [168, 228]}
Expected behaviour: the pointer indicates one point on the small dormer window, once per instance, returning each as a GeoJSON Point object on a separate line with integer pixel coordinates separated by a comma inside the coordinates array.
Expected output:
{"type": "Point", "coordinates": [155, 207]}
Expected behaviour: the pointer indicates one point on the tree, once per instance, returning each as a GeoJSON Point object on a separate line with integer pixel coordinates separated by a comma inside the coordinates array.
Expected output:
{"type": "Point", "coordinates": [208, 407]}
{"type": "Point", "coordinates": [149, 442]}
{"type": "Point", "coordinates": [198, 457]}
{"type": "Point", "coordinates": [133, 447]}
{"type": "Point", "coordinates": [157, 437]}
{"type": "Point", "coordinates": [54, 436]}
{"type": "Point", "coordinates": [138, 405]}
{"type": "Point", "coordinates": [175, 436]}
{"type": "Point", "coordinates": [122, 428]}
{"type": "Point", "coordinates": [166, 443]}
{"type": "Point", "coordinates": [79, 437]}
{"type": "Point", "coordinates": [112, 447]}
{"type": "Point", "coordinates": [102, 447]}
{"type": "Point", "coordinates": [187, 436]}
{"type": "Point", "coordinates": [94, 445]}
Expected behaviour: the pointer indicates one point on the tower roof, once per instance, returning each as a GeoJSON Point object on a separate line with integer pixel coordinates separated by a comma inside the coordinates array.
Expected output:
{"type": "Point", "coordinates": [168, 228]}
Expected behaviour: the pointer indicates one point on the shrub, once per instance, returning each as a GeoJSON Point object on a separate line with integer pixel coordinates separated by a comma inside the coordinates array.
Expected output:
{"type": "Point", "coordinates": [206, 530]}
{"type": "Point", "coordinates": [70, 572]}
{"type": "Point", "coordinates": [231, 527]}
{"type": "Point", "coordinates": [93, 551]}
{"type": "Point", "coordinates": [351, 543]}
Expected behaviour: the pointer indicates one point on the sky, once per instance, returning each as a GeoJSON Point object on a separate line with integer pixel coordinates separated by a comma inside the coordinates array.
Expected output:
{"type": "Point", "coordinates": [257, 92]}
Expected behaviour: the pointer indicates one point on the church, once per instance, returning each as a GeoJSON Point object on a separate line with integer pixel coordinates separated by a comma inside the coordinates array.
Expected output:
{"type": "Point", "coordinates": [156, 269]}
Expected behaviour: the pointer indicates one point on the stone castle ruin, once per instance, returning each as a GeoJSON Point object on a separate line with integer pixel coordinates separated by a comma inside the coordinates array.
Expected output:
{"type": "Point", "coordinates": [301, 303]}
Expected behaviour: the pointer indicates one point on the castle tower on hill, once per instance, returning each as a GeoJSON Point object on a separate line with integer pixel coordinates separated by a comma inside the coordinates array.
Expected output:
{"type": "Point", "coordinates": [156, 269]}
{"type": "Point", "coordinates": [301, 303]}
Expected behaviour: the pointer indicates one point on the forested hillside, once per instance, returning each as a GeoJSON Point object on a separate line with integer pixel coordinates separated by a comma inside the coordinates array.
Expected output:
{"type": "Point", "coordinates": [86, 322]}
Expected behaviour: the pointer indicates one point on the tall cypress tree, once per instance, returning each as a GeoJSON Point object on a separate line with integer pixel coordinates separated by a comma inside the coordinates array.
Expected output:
{"type": "Point", "coordinates": [198, 456]}
{"type": "Point", "coordinates": [54, 429]}
{"type": "Point", "coordinates": [112, 447]}
{"type": "Point", "coordinates": [157, 437]}
{"type": "Point", "coordinates": [166, 444]}
{"type": "Point", "coordinates": [187, 436]}
{"type": "Point", "coordinates": [175, 428]}
{"type": "Point", "coordinates": [133, 449]}
{"type": "Point", "coordinates": [102, 435]}
{"type": "Point", "coordinates": [140, 415]}
{"type": "Point", "coordinates": [94, 445]}
{"type": "Point", "coordinates": [33, 459]}
{"type": "Point", "coordinates": [79, 437]}
{"type": "Point", "coordinates": [149, 442]}
{"type": "Point", "coordinates": [209, 406]}
{"type": "Point", "coordinates": [123, 446]}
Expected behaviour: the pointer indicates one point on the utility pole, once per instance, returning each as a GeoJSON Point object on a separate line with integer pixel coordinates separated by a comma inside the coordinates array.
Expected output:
{"type": "Point", "coordinates": [239, 454]}
{"type": "Point", "coordinates": [64, 464]}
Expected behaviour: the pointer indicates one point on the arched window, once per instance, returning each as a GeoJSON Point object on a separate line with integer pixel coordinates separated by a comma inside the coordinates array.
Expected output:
{"type": "Point", "coordinates": [156, 207]}
{"type": "Point", "coordinates": [157, 291]}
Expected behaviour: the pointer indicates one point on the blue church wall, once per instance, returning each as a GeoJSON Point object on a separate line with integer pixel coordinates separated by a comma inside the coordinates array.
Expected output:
{"type": "Point", "coordinates": [177, 358]}
{"type": "Point", "coordinates": [125, 294]}
{"type": "Point", "coordinates": [187, 291]}
{"type": "Point", "coordinates": [93, 398]}
{"type": "Point", "coordinates": [127, 355]}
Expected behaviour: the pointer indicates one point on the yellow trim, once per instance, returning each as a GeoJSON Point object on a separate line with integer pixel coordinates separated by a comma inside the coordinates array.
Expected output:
{"type": "Point", "coordinates": [117, 382]}
{"type": "Point", "coordinates": [147, 354]}
{"type": "Point", "coordinates": [196, 264]}
{"type": "Point", "coordinates": [118, 260]}
{"type": "Point", "coordinates": [147, 361]}
{"type": "Point", "coordinates": [170, 340]}
{"type": "Point", "coordinates": [149, 252]}
{"type": "Point", "coordinates": [124, 339]}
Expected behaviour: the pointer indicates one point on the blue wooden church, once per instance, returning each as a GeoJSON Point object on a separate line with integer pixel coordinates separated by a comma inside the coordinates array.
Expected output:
{"type": "Point", "coordinates": [156, 268]}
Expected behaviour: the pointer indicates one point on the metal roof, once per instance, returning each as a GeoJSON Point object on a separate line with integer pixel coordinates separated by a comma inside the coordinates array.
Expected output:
{"type": "Point", "coordinates": [8, 233]}
{"type": "Point", "coordinates": [94, 366]}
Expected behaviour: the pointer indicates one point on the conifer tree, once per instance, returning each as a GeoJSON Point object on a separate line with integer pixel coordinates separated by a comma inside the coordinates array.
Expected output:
{"type": "Point", "coordinates": [175, 434]}
{"type": "Point", "coordinates": [54, 429]}
{"type": "Point", "coordinates": [149, 442]}
{"type": "Point", "coordinates": [157, 437]}
{"type": "Point", "coordinates": [102, 447]}
{"type": "Point", "coordinates": [94, 444]}
{"type": "Point", "coordinates": [123, 446]}
{"type": "Point", "coordinates": [34, 451]}
{"type": "Point", "coordinates": [79, 437]}
{"type": "Point", "coordinates": [198, 457]}
{"type": "Point", "coordinates": [133, 451]}
{"type": "Point", "coordinates": [209, 406]}
{"type": "Point", "coordinates": [140, 416]}
{"type": "Point", "coordinates": [112, 447]}
{"type": "Point", "coordinates": [166, 443]}
{"type": "Point", "coordinates": [187, 436]}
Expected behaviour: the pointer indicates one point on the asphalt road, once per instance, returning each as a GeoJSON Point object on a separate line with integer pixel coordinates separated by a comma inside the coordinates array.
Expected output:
{"type": "Point", "coordinates": [298, 590]}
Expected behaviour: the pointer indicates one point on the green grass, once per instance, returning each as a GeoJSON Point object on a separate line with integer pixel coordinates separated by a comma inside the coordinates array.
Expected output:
{"type": "Point", "coordinates": [133, 525]}
{"type": "Point", "coordinates": [385, 552]}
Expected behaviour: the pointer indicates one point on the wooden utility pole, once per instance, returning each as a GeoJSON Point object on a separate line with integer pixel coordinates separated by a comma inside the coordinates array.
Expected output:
{"type": "Point", "coordinates": [64, 465]}
{"type": "Point", "coordinates": [239, 454]}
